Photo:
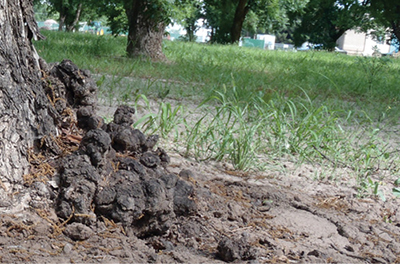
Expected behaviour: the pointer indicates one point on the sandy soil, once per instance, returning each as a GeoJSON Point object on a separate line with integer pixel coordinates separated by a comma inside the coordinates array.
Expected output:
{"type": "Point", "coordinates": [241, 217]}
{"type": "Point", "coordinates": [253, 217]}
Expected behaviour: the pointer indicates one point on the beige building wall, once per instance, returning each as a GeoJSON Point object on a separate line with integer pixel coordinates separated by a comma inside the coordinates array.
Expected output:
{"type": "Point", "coordinates": [360, 43]}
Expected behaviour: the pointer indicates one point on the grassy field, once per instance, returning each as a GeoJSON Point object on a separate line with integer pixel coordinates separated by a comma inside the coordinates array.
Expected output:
{"type": "Point", "coordinates": [323, 108]}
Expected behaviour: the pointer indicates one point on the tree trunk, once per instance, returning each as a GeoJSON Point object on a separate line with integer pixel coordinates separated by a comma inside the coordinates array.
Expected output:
{"type": "Point", "coordinates": [241, 11]}
{"type": "Point", "coordinates": [396, 29]}
{"type": "Point", "coordinates": [144, 35]}
{"type": "Point", "coordinates": [77, 17]}
{"type": "Point", "coordinates": [61, 22]}
{"type": "Point", "coordinates": [25, 115]}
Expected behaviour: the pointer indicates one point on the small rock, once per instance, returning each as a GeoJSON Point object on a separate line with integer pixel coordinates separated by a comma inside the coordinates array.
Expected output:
{"type": "Point", "coordinates": [150, 142]}
{"type": "Point", "coordinates": [169, 180]}
{"type": "Point", "coordinates": [228, 250]}
{"type": "Point", "coordinates": [217, 214]}
{"type": "Point", "coordinates": [67, 248]}
{"type": "Point", "coordinates": [124, 115]}
{"type": "Point", "coordinates": [41, 229]}
{"type": "Point", "coordinates": [315, 253]}
{"type": "Point", "coordinates": [264, 208]}
{"type": "Point", "coordinates": [186, 174]}
{"type": "Point", "coordinates": [184, 203]}
{"type": "Point", "coordinates": [78, 231]}
{"type": "Point", "coordinates": [128, 139]}
{"type": "Point", "coordinates": [149, 160]}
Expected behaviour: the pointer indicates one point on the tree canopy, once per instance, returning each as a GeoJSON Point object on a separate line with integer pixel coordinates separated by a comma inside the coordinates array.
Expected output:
{"type": "Point", "coordinates": [387, 14]}
{"type": "Point", "coordinates": [72, 11]}
{"type": "Point", "coordinates": [317, 21]}
{"type": "Point", "coordinates": [324, 21]}
{"type": "Point", "coordinates": [228, 17]}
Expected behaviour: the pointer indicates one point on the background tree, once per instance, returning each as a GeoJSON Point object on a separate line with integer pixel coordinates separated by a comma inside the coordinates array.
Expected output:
{"type": "Point", "coordinates": [219, 16]}
{"type": "Point", "coordinates": [386, 13]}
{"type": "Point", "coordinates": [186, 13]}
{"type": "Point", "coordinates": [145, 22]}
{"type": "Point", "coordinates": [226, 18]}
{"type": "Point", "coordinates": [229, 18]}
{"type": "Point", "coordinates": [284, 21]}
{"type": "Point", "coordinates": [324, 21]}
{"type": "Point", "coordinates": [72, 11]}
{"type": "Point", "coordinates": [69, 13]}
{"type": "Point", "coordinates": [42, 10]}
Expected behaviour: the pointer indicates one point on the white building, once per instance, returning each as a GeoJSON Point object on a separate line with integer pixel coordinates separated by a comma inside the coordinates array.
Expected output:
{"type": "Point", "coordinates": [359, 43]}
{"type": "Point", "coordinates": [269, 41]}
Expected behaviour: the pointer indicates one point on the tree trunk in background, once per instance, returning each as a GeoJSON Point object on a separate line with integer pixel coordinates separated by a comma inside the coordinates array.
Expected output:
{"type": "Point", "coordinates": [25, 115]}
{"type": "Point", "coordinates": [144, 36]}
{"type": "Point", "coordinates": [241, 11]}
{"type": "Point", "coordinates": [61, 22]}
{"type": "Point", "coordinates": [396, 29]}
{"type": "Point", "coordinates": [76, 19]}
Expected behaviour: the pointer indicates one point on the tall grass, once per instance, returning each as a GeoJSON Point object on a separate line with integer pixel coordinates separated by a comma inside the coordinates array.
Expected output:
{"type": "Point", "coordinates": [364, 84]}
{"type": "Point", "coordinates": [318, 107]}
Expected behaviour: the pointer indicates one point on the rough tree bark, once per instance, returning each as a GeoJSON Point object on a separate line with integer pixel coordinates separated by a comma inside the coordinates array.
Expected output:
{"type": "Point", "coordinates": [395, 23]}
{"type": "Point", "coordinates": [144, 35]}
{"type": "Point", "coordinates": [76, 19]}
{"type": "Point", "coordinates": [25, 115]}
{"type": "Point", "coordinates": [61, 20]}
{"type": "Point", "coordinates": [241, 11]}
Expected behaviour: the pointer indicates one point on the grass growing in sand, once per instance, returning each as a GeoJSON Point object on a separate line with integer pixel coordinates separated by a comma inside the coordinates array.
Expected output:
{"type": "Point", "coordinates": [255, 107]}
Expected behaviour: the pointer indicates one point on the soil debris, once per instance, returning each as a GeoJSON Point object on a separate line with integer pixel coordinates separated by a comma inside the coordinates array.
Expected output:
{"type": "Point", "coordinates": [110, 195]}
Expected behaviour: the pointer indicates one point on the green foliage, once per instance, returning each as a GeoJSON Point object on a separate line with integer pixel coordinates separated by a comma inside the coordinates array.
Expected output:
{"type": "Point", "coordinates": [120, 12]}
{"type": "Point", "coordinates": [369, 186]}
{"type": "Point", "coordinates": [251, 24]}
{"type": "Point", "coordinates": [324, 21]}
{"type": "Point", "coordinates": [228, 135]}
{"type": "Point", "coordinates": [186, 13]}
{"type": "Point", "coordinates": [284, 23]}
{"type": "Point", "coordinates": [219, 16]}
{"type": "Point", "coordinates": [164, 122]}
{"type": "Point", "coordinates": [373, 66]}
{"type": "Point", "coordinates": [42, 11]}
{"type": "Point", "coordinates": [265, 16]}
{"type": "Point", "coordinates": [72, 11]}
{"type": "Point", "coordinates": [117, 19]}
{"type": "Point", "coordinates": [386, 13]}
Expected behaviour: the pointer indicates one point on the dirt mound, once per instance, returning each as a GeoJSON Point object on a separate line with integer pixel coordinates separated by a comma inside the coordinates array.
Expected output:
{"type": "Point", "coordinates": [115, 172]}
{"type": "Point", "coordinates": [113, 197]}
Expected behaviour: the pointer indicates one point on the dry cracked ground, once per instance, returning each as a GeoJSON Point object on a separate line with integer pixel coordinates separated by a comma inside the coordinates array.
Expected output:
{"type": "Point", "coordinates": [114, 198]}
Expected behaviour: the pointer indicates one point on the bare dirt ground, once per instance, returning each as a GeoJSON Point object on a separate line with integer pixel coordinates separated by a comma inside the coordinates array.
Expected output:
{"type": "Point", "coordinates": [240, 217]}
{"type": "Point", "coordinates": [232, 216]}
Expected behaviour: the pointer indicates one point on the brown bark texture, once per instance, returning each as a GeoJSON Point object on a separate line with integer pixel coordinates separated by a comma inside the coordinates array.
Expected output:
{"type": "Point", "coordinates": [145, 35]}
{"type": "Point", "coordinates": [241, 11]}
{"type": "Point", "coordinates": [77, 17]}
{"type": "Point", "coordinates": [25, 117]}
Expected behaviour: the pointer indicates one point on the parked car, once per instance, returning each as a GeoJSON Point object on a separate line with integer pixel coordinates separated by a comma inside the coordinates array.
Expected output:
{"type": "Point", "coordinates": [306, 46]}
{"type": "Point", "coordinates": [338, 50]}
